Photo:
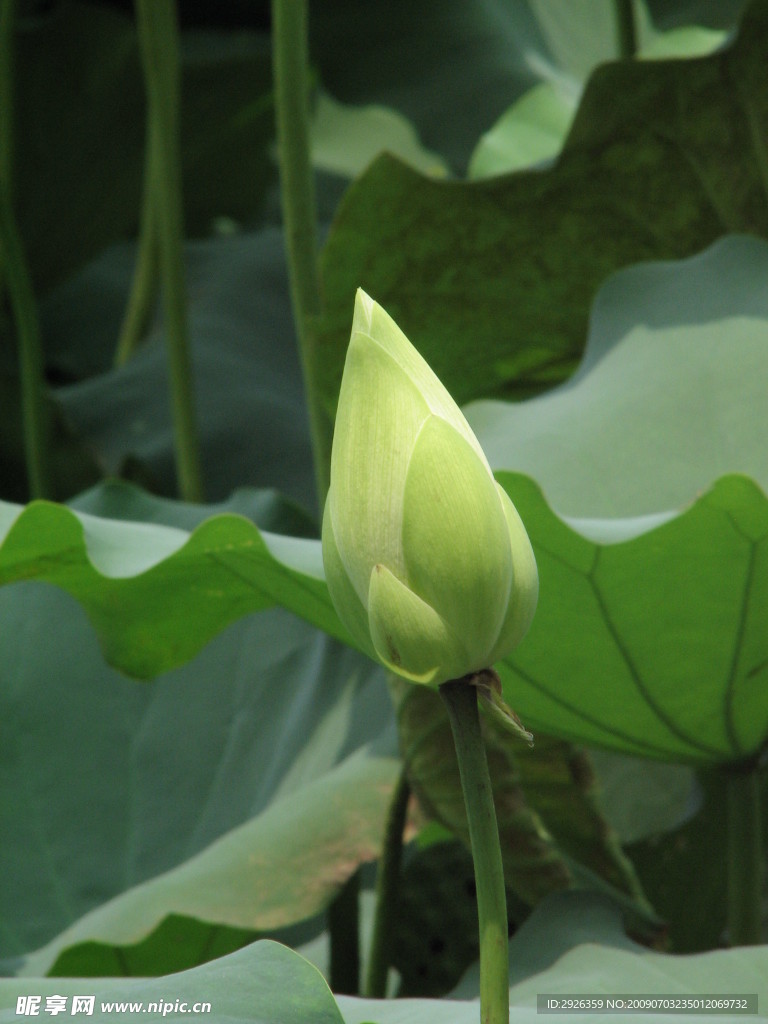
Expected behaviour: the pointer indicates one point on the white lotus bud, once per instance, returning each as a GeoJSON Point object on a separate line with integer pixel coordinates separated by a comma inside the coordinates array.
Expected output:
{"type": "Point", "coordinates": [427, 561]}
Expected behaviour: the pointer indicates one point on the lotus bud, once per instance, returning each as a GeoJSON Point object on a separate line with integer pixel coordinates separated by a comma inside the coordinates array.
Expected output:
{"type": "Point", "coordinates": [427, 561]}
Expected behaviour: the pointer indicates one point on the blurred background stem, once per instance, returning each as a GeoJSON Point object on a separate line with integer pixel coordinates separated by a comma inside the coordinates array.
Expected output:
{"type": "Point", "coordinates": [290, 55]}
{"type": "Point", "coordinates": [626, 29]}
{"type": "Point", "coordinates": [158, 38]}
{"type": "Point", "coordinates": [745, 857]}
{"type": "Point", "coordinates": [343, 920]}
{"type": "Point", "coordinates": [15, 278]}
{"type": "Point", "coordinates": [290, 59]}
{"type": "Point", "coordinates": [387, 891]}
{"type": "Point", "coordinates": [7, 126]}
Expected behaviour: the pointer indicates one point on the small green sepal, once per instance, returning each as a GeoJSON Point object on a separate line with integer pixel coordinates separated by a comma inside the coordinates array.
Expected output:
{"type": "Point", "coordinates": [488, 687]}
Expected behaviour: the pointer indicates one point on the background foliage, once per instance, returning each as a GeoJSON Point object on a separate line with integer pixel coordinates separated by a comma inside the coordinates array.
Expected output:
{"type": "Point", "coordinates": [577, 244]}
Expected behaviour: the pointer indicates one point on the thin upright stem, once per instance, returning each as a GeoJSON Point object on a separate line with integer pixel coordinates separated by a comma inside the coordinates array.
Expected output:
{"type": "Point", "coordinates": [745, 857]}
{"type": "Point", "coordinates": [626, 28]}
{"type": "Point", "coordinates": [7, 126]}
{"type": "Point", "coordinates": [460, 699]}
{"type": "Point", "coordinates": [387, 887]}
{"type": "Point", "coordinates": [291, 77]}
{"type": "Point", "coordinates": [141, 301]}
{"type": "Point", "coordinates": [159, 46]}
{"type": "Point", "coordinates": [18, 282]}
{"type": "Point", "coordinates": [31, 363]}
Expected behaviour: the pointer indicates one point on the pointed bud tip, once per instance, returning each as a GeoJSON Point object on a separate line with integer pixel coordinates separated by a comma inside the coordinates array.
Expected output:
{"type": "Point", "coordinates": [363, 315]}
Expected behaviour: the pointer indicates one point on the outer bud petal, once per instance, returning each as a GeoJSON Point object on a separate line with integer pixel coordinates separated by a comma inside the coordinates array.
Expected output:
{"type": "Point", "coordinates": [409, 636]}
{"type": "Point", "coordinates": [455, 537]}
{"type": "Point", "coordinates": [524, 592]}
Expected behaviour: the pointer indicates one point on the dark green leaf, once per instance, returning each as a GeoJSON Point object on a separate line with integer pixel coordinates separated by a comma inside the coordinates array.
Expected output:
{"type": "Point", "coordinates": [252, 420]}
{"type": "Point", "coordinates": [663, 158]}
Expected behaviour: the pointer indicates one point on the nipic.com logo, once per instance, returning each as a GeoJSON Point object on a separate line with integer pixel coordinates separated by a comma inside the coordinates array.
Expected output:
{"type": "Point", "coordinates": [71, 1006]}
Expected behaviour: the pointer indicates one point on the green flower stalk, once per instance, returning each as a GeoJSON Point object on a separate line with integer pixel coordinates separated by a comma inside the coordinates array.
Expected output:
{"type": "Point", "coordinates": [427, 561]}
{"type": "Point", "coordinates": [430, 569]}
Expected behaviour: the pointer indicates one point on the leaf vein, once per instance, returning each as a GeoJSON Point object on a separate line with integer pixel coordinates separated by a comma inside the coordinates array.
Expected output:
{"type": "Point", "coordinates": [663, 717]}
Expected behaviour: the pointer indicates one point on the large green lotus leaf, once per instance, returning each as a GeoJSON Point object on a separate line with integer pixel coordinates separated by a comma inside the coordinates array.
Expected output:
{"type": "Point", "coordinates": [667, 14]}
{"type": "Point", "coordinates": [559, 924]}
{"type": "Point", "coordinates": [283, 866]}
{"type": "Point", "coordinates": [697, 850]}
{"type": "Point", "coordinates": [592, 968]}
{"type": "Point", "coordinates": [266, 983]}
{"type": "Point", "coordinates": [110, 784]}
{"type": "Point", "coordinates": [450, 67]}
{"type": "Point", "coordinates": [573, 943]}
{"type": "Point", "coordinates": [659, 652]}
{"type": "Point", "coordinates": [580, 37]}
{"type": "Point", "coordinates": [532, 131]}
{"type": "Point", "coordinates": [269, 984]}
{"type": "Point", "coordinates": [80, 132]}
{"type": "Point", "coordinates": [670, 395]}
{"type": "Point", "coordinates": [178, 943]}
{"type": "Point", "coordinates": [118, 500]}
{"type": "Point", "coordinates": [493, 280]}
{"type": "Point", "coordinates": [645, 799]}
{"type": "Point", "coordinates": [166, 793]}
{"type": "Point", "coordinates": [345, 138]}
{"type": "Point", "coordinates": [469, 58]}
{"type": "Point", "coordinates": [123, 572]}
{"type": "Point", "coordinates": [655, 644]}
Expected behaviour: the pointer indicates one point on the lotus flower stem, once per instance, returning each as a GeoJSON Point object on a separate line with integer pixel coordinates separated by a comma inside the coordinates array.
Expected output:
{"type": "Point", "coordinates": [745, 857]}
{"type": "Point", "coordinates": [159, 46]}
{"type": "Point", "coordinates": [18, 282]}
{"type": "Point", "coordinates": [387, 884]}
{"type": "Point", "coordinates": [460, 698]}
{"type": "Point", "coordinates": [290, 60]}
